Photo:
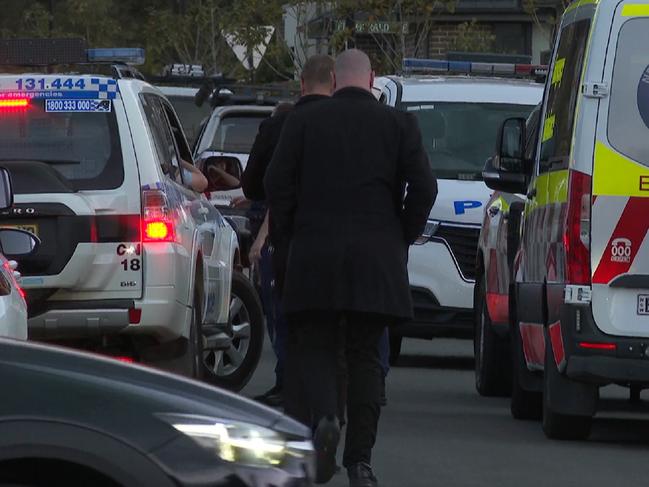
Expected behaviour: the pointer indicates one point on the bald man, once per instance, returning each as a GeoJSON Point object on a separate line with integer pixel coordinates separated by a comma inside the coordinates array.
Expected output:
{"type": "Point", "coordinates": [351, 187]}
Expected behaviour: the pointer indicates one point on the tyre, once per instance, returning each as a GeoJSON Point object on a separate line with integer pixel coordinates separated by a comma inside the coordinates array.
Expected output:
{"type": "Point", "coordinates": [524, 404]}
{"type": "Point", "coordinates": [233, 367]}
{"type": "Point", "coordinates": [395, 348]}
{"type": "Point", "coordinates": [560, 426]}
{"type": "Point", "coordinates": [493, 376]}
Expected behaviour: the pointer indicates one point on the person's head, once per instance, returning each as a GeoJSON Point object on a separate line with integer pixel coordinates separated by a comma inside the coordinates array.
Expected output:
{"type": "Point", "coordinates": [281, 108]}
{"type": "Point", "coordinates": [353, 69]}
{"type": "Point", "coordinates": [317, 76]}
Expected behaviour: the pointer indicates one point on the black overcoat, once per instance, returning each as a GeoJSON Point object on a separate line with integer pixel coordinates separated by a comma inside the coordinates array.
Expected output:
{"type": "Point", "coordinates": [336, 187]}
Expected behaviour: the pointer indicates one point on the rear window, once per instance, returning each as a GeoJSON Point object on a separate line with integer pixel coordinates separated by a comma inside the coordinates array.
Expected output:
{"type": "Point", "coordinates": [628, 125]}
{"type": "Point", "coordinates": [82, 148]}
{"type": "Point", "coordinates": [237, 133]}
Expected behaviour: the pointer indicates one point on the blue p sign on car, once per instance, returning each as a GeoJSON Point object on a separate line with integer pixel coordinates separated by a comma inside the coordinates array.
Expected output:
{"type": "Point", "coordinates": [462, 206]}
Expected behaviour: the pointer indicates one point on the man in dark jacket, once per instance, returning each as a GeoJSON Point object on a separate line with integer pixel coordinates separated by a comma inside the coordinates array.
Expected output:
{"type": "Point", "coordinates": [316, 84]}
{"type": "Point", "coordinates": [351, 186]}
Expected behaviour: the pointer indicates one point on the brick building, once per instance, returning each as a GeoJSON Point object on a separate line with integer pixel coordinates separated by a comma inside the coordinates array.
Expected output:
{"type": "Point", "coordinates": [495, 26]}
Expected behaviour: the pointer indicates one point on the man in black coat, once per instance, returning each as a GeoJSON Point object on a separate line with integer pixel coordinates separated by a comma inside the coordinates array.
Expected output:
{"type": "Point", "coordinates": [316, 82]}
{"type": "Point", "coordinates": [351, 186]}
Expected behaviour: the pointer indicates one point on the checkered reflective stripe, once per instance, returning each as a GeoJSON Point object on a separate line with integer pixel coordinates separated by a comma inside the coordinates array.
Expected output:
{"type": "Point", "coordinates": [106, 88]}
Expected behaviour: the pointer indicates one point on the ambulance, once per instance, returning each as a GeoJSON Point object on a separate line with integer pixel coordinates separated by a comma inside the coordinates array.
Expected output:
{"type": "Point", "coordinates": [579, 304]}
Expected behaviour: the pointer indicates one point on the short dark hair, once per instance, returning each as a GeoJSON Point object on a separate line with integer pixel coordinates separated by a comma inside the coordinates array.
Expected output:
{"type": "Point", "coordinates": [317, 70]}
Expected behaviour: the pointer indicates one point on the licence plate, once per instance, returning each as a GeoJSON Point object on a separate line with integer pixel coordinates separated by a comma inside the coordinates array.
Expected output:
{"type": "Point", "coordinates": [28, 228]}
{"type": "Point", "coordinates": [643, 304]}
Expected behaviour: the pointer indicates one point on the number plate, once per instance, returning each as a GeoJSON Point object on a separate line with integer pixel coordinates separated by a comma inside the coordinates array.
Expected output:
{"type": "Point", "coordinates": [643, 304]}
{"type": "Point", "coordinates": [28, 228]}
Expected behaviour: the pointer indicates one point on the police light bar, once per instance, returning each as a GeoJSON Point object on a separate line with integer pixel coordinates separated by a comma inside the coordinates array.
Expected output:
{"type": "Point", "coordinates": [127, 55]}
{"type": "Point", "coordinates": [436, 66]}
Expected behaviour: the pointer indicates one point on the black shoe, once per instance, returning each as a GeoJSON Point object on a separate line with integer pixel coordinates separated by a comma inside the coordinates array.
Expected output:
{"type": "Point", "coordinates": [271, 392]}
{"type": "Point", "coordinates": [325, 441]}
{"type": "Point", "coordinates": [361, 475]}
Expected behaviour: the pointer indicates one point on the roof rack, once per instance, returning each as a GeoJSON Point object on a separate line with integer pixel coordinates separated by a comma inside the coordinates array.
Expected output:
{"type": "Point", "coordinates": [438, 66]}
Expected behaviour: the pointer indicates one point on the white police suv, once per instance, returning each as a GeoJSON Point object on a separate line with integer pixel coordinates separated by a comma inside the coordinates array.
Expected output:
{"type": "Point", "coordinates": [459, 106]}
{"type": "Point", "coordinates": [133, 262]}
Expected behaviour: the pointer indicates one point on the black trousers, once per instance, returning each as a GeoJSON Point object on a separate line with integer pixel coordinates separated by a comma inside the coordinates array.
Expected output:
{"type": "Point", "coordinates": [315, 343]}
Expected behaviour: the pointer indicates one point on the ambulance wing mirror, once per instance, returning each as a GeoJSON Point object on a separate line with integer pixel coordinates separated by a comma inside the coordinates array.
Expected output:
{"type": "Point", "coordinates": [506, 171]}
{"type": "Point", "coordinates": [6, 190]}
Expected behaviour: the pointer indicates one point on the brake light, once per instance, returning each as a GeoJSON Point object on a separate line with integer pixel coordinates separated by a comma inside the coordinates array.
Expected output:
{"type": "Point", "coordinates": [157, 221]}
{"type": "Point", "coordinates": [576, 237]}
{"type": "Point", "coordinates": [134, 316]}
{"type": "Point", "coordinates": [13, 103]}
{"type": "Point", "coordinates": [597, 346]}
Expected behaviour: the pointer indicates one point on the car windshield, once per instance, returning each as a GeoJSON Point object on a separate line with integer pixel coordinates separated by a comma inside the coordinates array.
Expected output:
{"type": "Point", "coordinates": [190, 115]}
{"type": "Point", "coordinates": [81, 147]}
{"type": "Point", "coordinates": [237, 133]}
{"type": "Point", "coordinates": [459, 137]}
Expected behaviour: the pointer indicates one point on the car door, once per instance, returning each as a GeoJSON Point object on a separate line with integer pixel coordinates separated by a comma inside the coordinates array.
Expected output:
{"type": "Point", "coordinates": [208, 228]}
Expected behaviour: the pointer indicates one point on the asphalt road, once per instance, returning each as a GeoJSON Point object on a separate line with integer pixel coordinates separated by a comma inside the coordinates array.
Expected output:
{"type": "Point", "coordinates": [436, 431]}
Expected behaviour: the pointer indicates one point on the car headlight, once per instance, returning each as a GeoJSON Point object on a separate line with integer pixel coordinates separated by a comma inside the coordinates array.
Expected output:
{"type": "Point", "coordinates": [429, 231]}
{"type": "Point", "coordinates": [234, 441]}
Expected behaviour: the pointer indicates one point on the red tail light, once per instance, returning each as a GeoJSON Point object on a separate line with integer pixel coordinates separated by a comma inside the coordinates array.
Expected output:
{"type": "Point", "coordinates": [576, 238]}
{"type": "Point", "coordinates": [134, 316]}
{"type": "Point", "coordinates": [597, 346]}
{"type": "Point", "coordinates": [157, 222]}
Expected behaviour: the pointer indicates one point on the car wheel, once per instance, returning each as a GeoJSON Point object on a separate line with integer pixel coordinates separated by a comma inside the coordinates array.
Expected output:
{"type": "Point", "coordinates": [233, 367]}
{"type": "Point", "coordinates": [492, 355]}
{"type": "Point", "coordinates": [558, 426]}
{"type": "Point", "coordinates": [524, 404]}
{"type": "Point", "coordinates": [395, 348]}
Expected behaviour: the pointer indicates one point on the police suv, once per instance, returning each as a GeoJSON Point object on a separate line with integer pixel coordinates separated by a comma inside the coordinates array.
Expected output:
{"type": "Point", "coordinates": [133, 262]}
{"type": "Point", "coordinates": [459, 106]}
{"type": "Point", "coordinates": [580, 300]}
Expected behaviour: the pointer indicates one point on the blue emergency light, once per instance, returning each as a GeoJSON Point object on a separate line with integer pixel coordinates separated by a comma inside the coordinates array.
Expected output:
{"type": "Point", "coordinates": [437, 66]}
{"type": "Point", "coordinates": [127, 55]}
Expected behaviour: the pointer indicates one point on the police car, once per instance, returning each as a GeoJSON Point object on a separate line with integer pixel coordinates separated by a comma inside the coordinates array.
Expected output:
{"type": "Point", "coordinates": [459, 106]}
{"type": "Point", "coordinates": [133, 262]}
{"type": "Point", "coordinates": [581, 294]}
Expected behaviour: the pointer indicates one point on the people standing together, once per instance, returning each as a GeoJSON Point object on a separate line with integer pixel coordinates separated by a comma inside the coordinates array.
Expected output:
{"type": "Point", "coordinates": [348, 188]}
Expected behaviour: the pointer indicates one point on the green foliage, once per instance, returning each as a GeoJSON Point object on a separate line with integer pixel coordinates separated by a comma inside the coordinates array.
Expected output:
{"type": "Point", "coordinates": [472, 37]}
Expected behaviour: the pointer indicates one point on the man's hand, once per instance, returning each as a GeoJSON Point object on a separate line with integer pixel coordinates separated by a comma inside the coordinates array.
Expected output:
{"type": "Point", "coordinates": [255, 250]}
{"type": "Point", "coordinates": [240, 202]}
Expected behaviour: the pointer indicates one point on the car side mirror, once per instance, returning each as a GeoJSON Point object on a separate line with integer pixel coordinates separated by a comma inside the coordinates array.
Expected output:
{"type": "Point", "coordinates": [18, 243]}
{"type": "Point", "coordinates": [223, 173]}
{"type": "Point", "coordinates": [6, 190]}
{"type": "Point", "coordinates": [507, 171]}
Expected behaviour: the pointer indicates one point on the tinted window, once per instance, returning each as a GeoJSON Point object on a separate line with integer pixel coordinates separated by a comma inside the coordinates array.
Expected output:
{"type": "Point", "coordinates": [82, 147]}
{"type": "Point", "coordinates": [564, 87]}
{"type": "Point", "coordinates": [459, 137]}
{"type": "Point", "coordinates": [628, 125]}
{"type": "Point", "coordinates": [190, 115]}
{"type": "Point", "coordinates": [162, 137]}
{"type": "Point", "coordinates": [237, 133]}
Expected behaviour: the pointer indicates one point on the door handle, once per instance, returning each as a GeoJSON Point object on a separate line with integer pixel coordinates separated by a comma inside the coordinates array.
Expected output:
{"type": "Point", "coordinates": [531, 193]}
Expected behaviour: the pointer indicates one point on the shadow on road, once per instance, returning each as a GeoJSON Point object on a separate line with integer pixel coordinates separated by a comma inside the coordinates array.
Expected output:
{"type": "Point", "coordinates": [621, 432]}
{"type": "Point", "coordinates": [436, 362]}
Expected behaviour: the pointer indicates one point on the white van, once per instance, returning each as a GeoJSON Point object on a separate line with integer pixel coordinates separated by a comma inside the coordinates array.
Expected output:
{"type": "Point", "coordinates": [581, 293]}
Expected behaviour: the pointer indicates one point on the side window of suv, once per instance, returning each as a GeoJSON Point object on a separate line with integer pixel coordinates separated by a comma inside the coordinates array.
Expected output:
{"type": "Point", "coordinates": [184, 152]}
{"type": "Point", "coordinates": [563, 90]}
{"type": "Point", "coordinates": [162, 137]}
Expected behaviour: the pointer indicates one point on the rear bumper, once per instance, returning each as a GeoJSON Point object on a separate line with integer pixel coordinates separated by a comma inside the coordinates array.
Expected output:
{"type": "Point", "coordinates": [163, 317]}
{"type": "Point", "coordinates": [608, 370]}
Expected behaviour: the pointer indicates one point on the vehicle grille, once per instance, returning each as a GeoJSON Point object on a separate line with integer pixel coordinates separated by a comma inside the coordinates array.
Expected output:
{"type": "Point", "coordinates": [463, 242]}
